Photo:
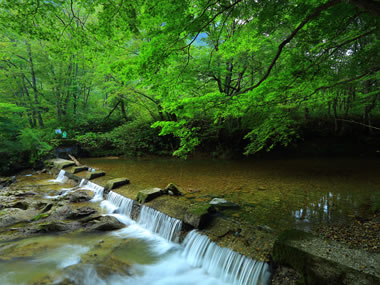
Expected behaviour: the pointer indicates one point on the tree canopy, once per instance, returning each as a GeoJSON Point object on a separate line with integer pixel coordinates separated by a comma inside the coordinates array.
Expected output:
{"type": "Point", "coordinates": [250, 73]}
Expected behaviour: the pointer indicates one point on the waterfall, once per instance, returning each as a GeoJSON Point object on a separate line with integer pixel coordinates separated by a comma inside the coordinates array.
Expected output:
{"type": "Point", "coordinates": [97, 189]}
{"type": "Point", "coordinates": [61, 178]}
{"type": "Point", "coordinates": [167, 227]}
{"type": "Point", "coordinates": [117, 203]}
{"type": "Point", "coordinates": [223, 263]}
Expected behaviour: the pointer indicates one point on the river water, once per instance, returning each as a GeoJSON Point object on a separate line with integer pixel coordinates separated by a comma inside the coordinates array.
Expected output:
{"type": "Point", "coordinates": [279, 193]}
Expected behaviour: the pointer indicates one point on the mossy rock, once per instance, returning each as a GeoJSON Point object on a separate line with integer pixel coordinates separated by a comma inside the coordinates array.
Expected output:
{"type": "Point", "coordinates": [198, 215]}
{"type": "Point", "coordinates": [148, 195]}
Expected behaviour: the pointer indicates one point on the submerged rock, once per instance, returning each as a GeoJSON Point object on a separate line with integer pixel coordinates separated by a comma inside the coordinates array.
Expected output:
{"type": "Point", "coordinates": [222, 204]}
{"type": "Point", "coordinates": [148, 195]}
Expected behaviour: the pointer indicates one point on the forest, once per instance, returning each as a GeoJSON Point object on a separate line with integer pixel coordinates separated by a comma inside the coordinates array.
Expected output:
{"type": "Point", "coordinates": [175, 77]}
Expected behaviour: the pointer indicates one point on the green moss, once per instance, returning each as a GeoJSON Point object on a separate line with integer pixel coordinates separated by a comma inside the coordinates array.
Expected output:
{"type": "Point", "coordinates": [40, 216]}
{"type": "Point", "coordinates": [199, 209]}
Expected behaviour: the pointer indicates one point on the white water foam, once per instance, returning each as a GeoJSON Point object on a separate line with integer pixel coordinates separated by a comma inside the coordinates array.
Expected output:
{"type": "Point", "coordinates": [223, 263]}
{"type": "Point", "coordinates": [97, 189]}
{"type": "Point", "coordinates": [61, 178]}
{"type": "Point", "coordinates": [63, 192]}
{"type": "Point", "coordinates": [167, 227]}
{"type": "Point", "coordinates": [117, 203]}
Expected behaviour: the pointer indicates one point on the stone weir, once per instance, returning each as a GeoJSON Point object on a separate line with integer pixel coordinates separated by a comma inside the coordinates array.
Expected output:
{"type": "Point", "coordinates": [166, 213]}
{"type": "Point", "coordinates": [221, 262]}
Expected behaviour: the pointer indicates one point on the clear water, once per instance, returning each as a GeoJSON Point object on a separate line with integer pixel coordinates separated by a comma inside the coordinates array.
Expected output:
{"type": "Point", "coordinates": [280, 193]}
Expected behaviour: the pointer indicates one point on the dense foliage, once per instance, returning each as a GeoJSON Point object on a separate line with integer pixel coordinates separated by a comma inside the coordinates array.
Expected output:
{"type": "Point", "coordinates": [245, 75]}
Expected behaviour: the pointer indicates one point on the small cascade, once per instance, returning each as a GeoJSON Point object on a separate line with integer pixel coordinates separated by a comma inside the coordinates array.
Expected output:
{"type": "Point", "coordinates": [167, 227]}
{"type": "Point", "coordinates": [117, 203]}
{"type": "Point", "coordinates": [97, 189]}
{"type": "Point", "coordinates": [61, 178]}
{"type": "Point", "coordinates": [223, 263]}
{"type": "Point", "coordinates": [82, 182]}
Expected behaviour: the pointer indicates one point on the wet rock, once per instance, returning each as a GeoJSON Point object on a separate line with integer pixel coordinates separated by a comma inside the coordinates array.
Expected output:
{"type": "Point", "coordinates": [6, 181]}
{"type": "Point", "coordinates": [56, 226]}
{"type": "Point", "coordinates": [80, 196]}
{"type": "Point", "coordinates": [12, 216]}
{"type": "Point", "coordinates": [222, 204]}
{"type": "Point", "coordinates": [115, 183]}
{"type": "Point", "coordinates": [81, 213]}
{"type": "Point", "coordinates": [148, 195]}
{"type": "Point", "coordinates": [325, 262]}
{"type": "Point", "coordinates": [61, 211]}
{"type": "Point", "coordinates": [172, 190]}
{"type": "Point", "coordinates": [105, 223]}
{"type": "Point", "coordinates": [47, 208]}
{"type": "Point", "coordinates": [24, 193]}
{"type": "Point", "coordinates": [23, 205]}
{"type": "Point", "coordinates": [95, 174]}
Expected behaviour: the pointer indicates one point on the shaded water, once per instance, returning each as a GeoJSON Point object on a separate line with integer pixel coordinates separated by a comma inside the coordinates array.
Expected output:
{"type": "Point", "coordinates": [280, 193]}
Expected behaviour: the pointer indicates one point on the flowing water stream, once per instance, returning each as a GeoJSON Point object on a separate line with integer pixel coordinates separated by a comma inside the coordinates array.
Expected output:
{"type": "Point", "coordinates": [145, 251]}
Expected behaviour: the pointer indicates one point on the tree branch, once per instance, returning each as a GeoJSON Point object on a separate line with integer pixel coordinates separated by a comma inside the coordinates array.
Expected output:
{"type": "Point", "coordinates": [314, 14]}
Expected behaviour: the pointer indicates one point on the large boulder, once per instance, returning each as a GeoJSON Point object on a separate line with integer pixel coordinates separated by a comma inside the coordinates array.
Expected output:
{"type": "Point", "coordinates": [81, 213]}
{"type": "Point", "coordinates": [12, 216]}
{"type": "Point", "coordinates": [326, 262]}
{"type": "Point", "coordinates": [148, 195]}
{"type": "Point", "coordinates": [80, 196]}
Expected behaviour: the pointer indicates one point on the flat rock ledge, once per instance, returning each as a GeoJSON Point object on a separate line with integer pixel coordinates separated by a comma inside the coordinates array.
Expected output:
{"type": "Point", "coordinates": [115, 183]}
{"type": "Point", "coordinates": [326, 262]}
{"type": "Point", "coordinates": [59, 163]}
{"type": "Point", "coordinates": [95, 174]}
{"type": "Point", "coordinates": [78, 169]}
{"type": "Point", "coordinates": [148, 195]}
